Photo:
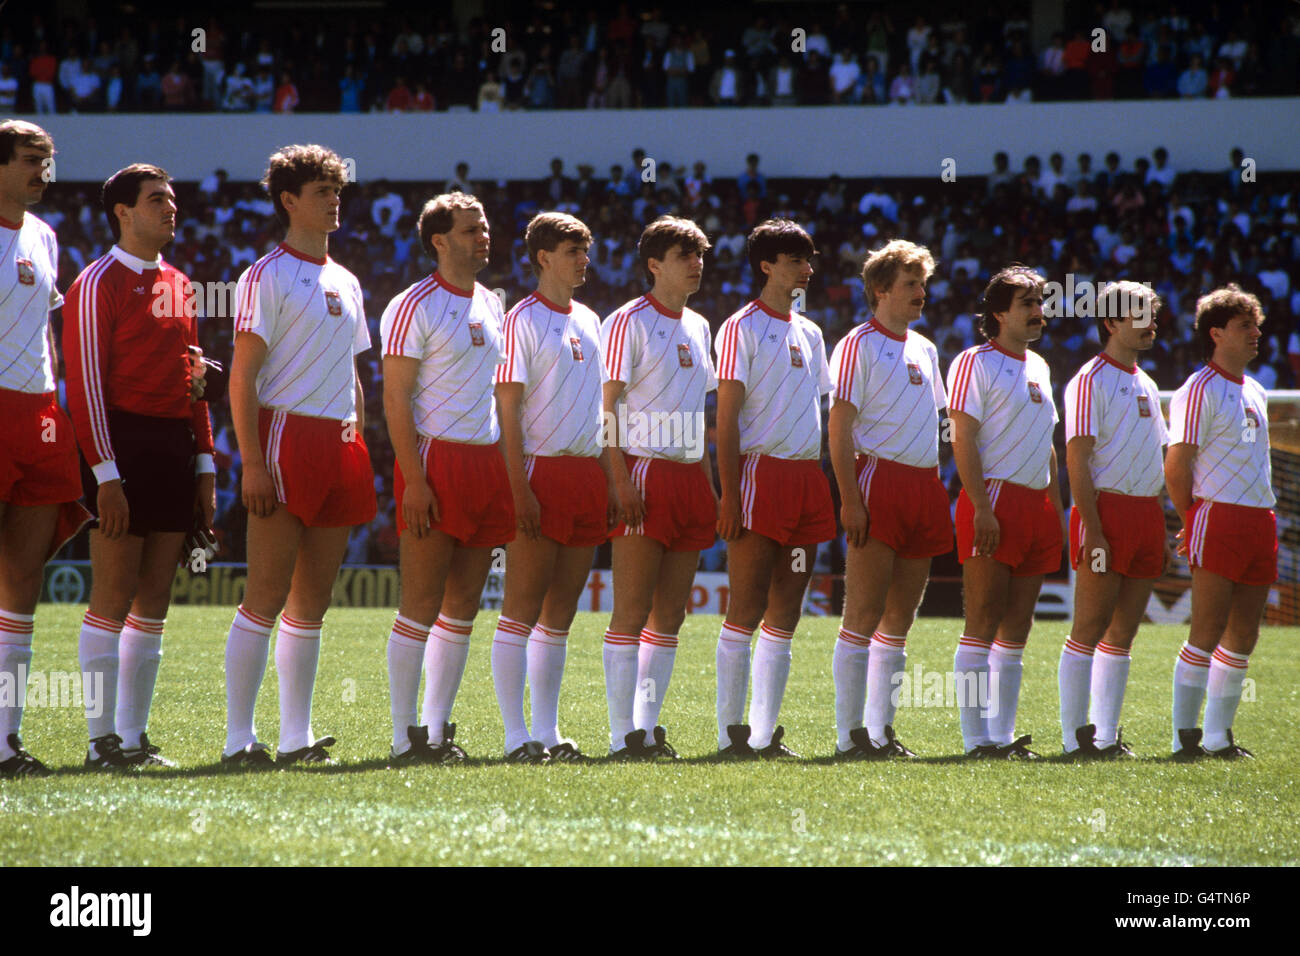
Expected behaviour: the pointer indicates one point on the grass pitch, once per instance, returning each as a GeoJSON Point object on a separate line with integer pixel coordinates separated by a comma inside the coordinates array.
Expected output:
{"type": "Point", "coordinates": [936, 810]}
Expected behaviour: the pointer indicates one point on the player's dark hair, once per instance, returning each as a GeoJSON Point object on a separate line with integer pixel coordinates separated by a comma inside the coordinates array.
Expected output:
{"type": "Point", "coordinates": [547, 230]}
{"type": "Point", "coordinates": [771, 238]}
{"type": "Point", "coordinates": [293, 167]}
{"type": "Point", "coordinates": [15, 133]}
{"type": "Point", "coordinates": [124, 187]}
{"type": "Point", "coordinates": [882, 267]}
{"type": "Point", "coordinates": [1119, 298]}
{"type": "Point", "coordinates": [664, 233]}
{"type": "Point", "coordinates": [439, 215]}
{"type": "Point", "coordinates": [1001, 292]}
{"type": "Point", "coordinates": [1216, 309]}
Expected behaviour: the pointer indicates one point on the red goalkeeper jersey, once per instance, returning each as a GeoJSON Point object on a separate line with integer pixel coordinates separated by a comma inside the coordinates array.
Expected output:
{"type": "Point", "coordinates": [126, 333]}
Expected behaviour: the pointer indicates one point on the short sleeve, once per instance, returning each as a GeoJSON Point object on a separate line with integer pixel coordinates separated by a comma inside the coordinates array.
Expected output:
{"type": "Point", "coordinates": [518, 346]}
{"type": "Point", "coordinates": [56, 297]}
{"type": "Point", "coordinates": [1190, 412]}
{"type": "Point", "coordinates": [966, 386]}
{"type": "Point", "coordinates": [499, 318]}
{"type": "Point", "coordinates": [361, 340]}
{"type": "Point", "coordinates": [936, 376]}
{"type": "Point", "coordinates": [711, 380]}
{"type": "Point", "coordinates": [735, 352]}
{"type": "Point", "coordinates": [401, 329]}
{"type": "Point", "coordinates": [848, 374]}
{"type": "Point", "coordinates": [256, 308]}
{"type": "Point", "coordinates": [620, 345]}
{"type": "Point", "coordinates": [825, 384]}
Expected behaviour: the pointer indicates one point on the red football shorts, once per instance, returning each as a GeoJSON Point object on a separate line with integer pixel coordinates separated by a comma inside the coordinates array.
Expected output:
{"type": "Point", "coordinates": [1234, 541]}
{"type": "Point", "coordinates": [574, 495]}
{"type": "Point", "coordinates": [907, 507]}
{"type": "Point", "coordinates": [475, 504]}
{"type": "Point", "coordinates": [786, 500]}
{"type": "Point", "coordinates": [680, 510]}
{"type": "Point", "coordinates": [1135, 530]}
{"type": "Point", "coordinates": [320, 468]}
{"type": "Point", "coordinates": [38, 451]}
{"type": "Point", "coordinates": [1030, 541]}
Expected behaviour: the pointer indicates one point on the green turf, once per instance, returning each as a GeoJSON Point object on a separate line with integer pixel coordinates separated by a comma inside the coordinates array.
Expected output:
{"type": "Point", "coordinates": [935, 810]}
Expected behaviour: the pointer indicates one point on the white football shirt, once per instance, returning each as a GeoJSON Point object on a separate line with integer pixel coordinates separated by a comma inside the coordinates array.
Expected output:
{"type": "Point", "coordinates": [663, 358]}
{"type": "Point", "coordinates": [781, 361]}
{"type": "Point", "coordinates": [1226, 418]}
{"type": "Point", "coordinates": [895, 384]}
{"type": "Point", "coordinates": [1011, 397]}
{"type": "Point", "coordinates": [555, 354]}
{"type": "Point", "coordinates": [456, 334]}
{"type": "Point", "coordinates": [310, 314]}
{"type": "Point", "coordinates": [29, 267]}
{"type": "Point", "coordinates": [1119, 407]}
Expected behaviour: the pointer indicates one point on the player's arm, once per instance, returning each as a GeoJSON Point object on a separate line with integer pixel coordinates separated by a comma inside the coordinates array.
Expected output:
{"type": "Point", "coordinates": [731, 396]}
{"type": "Point", "coordinates": [256, 487]}
{"type": "Point", "coordinates": [419, 504]}
{"type": "Point", "coordinates": [87, 332]}
{"type": "Point", "coordinates": [970, 468]}
{"type": "Point", "coordinates": [205, 466]}
{"type": "Point", "coordinates": [1078, 454]}
{"type": "Point", "coordinates": [359, 397]}
{"type": "Point", "coordinates": [510, 404]}
{"type": "Point", "coordinates": [630, 505]}
{"type": "Point", "coordinates": [1178, 480]}
{"type": "Point", "coordinates": [1054, 489]}
{"type": "Point", "coordinates": [606, 459]}
{"type": "Point", "coordinates": [839, 435]}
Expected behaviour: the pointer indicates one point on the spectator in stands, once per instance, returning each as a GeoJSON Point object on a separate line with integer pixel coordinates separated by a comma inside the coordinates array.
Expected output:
{"type": "Point", "coordinates": [8, 90]}
{"type": "Point", "coordinates": [286, 94]}
{"type": "Point", "coordinates": [1193, 81]}
{"type": "Point", "coordinates": [1051, 69]}
{"type": "Point", "coordinates": [539, 91]}
{"type": "Point", "coordinates": [902, 90]}
{"type": "Point", "coordinates": [43, 69]}
{"type": "Point", "coordinates": [351, 90]}
{"type": "Point", "coordinates": [844, 74]}
{"type": "Point", "coordinates": [87, 89]}
{"type": "Point", "coordinates": [569, 72]}
{"type": "Point", "coordinates": [784, 82]}
{"type": "Point", "coordinates": [752, 176]}
{"type": "Point", "coordinates": [491, 96]}
{"type": "Point", "coordinates": [678, 66]}
{"type": "Point", "coordinates": [727, 86]}
{"type": "Point", "coordinates": [1221, 79]}
{"type": "Point", "coordinates": [1161, 172]}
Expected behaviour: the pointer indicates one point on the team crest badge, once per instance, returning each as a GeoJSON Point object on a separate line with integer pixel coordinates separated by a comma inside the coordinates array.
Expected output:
{"type": "Point", "coordinates": [1144, 406]}
{"type": "Point", "coordinates": [576, 344]}
{"type": "Point", "coordinates": [796, 357]}
{"type": "Point", "coordinates": [914, 373]}
{"type": "Point", "coordinates": [476, 333]}
{"type": "Point", "coordinates": [26, 272]}
{"type": "Point", "coordinates": [333, 302]}
{"type": "Point", "coordinates": [1035, 394]}
{"type": "Point", "coordinates": [1251, 418]}
{"type": "Point", "coordinates": [684, 356]}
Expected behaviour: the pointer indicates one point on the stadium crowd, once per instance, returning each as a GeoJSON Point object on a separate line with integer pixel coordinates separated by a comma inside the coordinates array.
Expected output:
{"type": "Point", "coordinates": [1077, 221]}
{"type": "Point", "coordinates": [249, 59]}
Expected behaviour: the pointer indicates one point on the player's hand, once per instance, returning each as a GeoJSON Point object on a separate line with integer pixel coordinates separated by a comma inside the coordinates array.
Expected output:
{"type": "Point", "coordinates": [528, 512]}
{"type": "Point", "coordinates": [114, 512]}
{"type": "Point", "coordinates": [856, 521]}
{"type": "Point", "coordinates": [1093, 542]}
{"type": "Point", "coordinates": [611, 506]}
{"type": "Point", "coordinates": [630, 505]}
{"type": "Point", "coordinates": [205, 500]}
{"type": "Point", "coordinates": [988, 533]}
{"type": "Point", "coordinates": [198, 372]}
{"type": "Point", "coordinates": [257, 490]}
{"type": "Point", "coordinates": [420, 508]}
{"type": "Point", "coordinates": [1169, 559]}
{"type": "Point", "coordinates": [1181, 540]}
{"type": "Point", "coordinates": [730, 523]}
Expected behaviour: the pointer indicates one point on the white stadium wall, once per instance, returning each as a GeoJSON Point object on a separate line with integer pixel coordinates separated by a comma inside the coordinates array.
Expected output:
{"type": "Point", "coordinates": [801, 142]}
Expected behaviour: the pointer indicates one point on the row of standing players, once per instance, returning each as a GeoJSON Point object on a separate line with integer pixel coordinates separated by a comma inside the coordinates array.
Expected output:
{"type": "Point", "coordinates": [548, 431]}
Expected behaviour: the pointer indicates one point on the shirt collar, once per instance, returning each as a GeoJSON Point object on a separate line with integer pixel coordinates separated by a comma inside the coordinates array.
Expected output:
{"type": "Point", "coordinates": [134, 263]}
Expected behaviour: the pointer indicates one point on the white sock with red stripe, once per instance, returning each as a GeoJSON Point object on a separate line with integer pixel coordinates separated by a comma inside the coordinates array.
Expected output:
{"type": "Point", "coordinates": [297, 652]}
{"type": "Point", "coordinates": [733, 678]}
{"type": "Point", "coordinates": [1191, 673]}
{"type": "Point", "coordinates": [1109, 680]}
{"type": "Point", "coordinates": [1227, 671]}
{"type": "Point", "coordinates": [546, 651]}
{"type": "Point", "coordinates": [771, 671]}
{"type": "Point", "coordinates": [406, 643]}
{"type": "Point", "coordinates": [1074, 677]}
{"type": "Point", "coordinates": [509, 669]}
{"type": "Point", "coordinates": [247, 647]}
{"type": "Point", "coordinates": [1006, 665]}
{"type": "Point", "coordinates": [849, 670]}
{"type": "Point", "coordinates": [15, 659]}
{"type": "Point", "coordinates": [619, 655]}
{"type": "Point", "coordinates": [654, 671]}
{"type": "Point", "coordinates": [444, 666]}
{"type": "Point", "coordinates": [970, 667]}
{"type": "Point", "coordinates": [886, 658]}
{"type": "Point", "coordinates": [97, 654]}
{"type": "Point", "coordinates": [139, 652]}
